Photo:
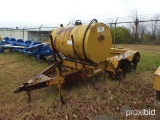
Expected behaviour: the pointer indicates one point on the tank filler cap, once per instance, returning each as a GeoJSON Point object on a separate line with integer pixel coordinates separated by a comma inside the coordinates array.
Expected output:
{"type": "Point", "coordinates": [61, 25]}
{"type": "Point", "coordinates": [78, 22]}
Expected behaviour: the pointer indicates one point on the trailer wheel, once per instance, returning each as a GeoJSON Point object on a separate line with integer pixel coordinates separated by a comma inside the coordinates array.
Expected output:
{"type": "Point", "coordinates": [42, 57]}
{"type": "Point", "coordinates": [135, 60]}
{"type": "Point", "coordinates": [1, 49]}
{"type": "Point", "coordinates": [120, 75]}
{"type": "Point", "coordinates": [122, 68]}
{"type": "Point", "coordinates": [158, 95]}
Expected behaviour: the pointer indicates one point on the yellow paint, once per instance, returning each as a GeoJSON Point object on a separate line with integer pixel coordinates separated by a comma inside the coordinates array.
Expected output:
{"type": "Point", "coordinates": [109, 65]}
{"type": "Point", "coordinates": [156, 81]}
{"type": "Point", "coordinates": [95, 50]}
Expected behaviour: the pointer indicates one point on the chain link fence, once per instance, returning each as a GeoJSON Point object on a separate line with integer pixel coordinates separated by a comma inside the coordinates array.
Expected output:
{"type": "Point", "coordinates": [40, 33]}
{"type": "Point", "coordinates": [129, 30]}
{"type": "Point", "coordinates": [136, 32]}
{"type": "Point", "coordinates": [34, 33]}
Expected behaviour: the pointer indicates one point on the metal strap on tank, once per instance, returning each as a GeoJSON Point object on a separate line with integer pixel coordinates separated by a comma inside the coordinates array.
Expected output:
{"type": "Point", "coordinates": [83, 49]}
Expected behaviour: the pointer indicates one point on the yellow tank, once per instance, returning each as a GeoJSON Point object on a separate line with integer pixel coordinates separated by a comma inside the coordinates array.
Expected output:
{"type": "Point", "coordinates": [92, 42]}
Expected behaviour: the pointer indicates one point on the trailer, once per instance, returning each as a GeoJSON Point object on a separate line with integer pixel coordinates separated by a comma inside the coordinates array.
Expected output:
{"type": "Point", "coordinates": [88, 55]}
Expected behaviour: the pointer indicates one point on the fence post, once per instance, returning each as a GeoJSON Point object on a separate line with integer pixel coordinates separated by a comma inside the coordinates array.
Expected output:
{"type": "Point", "coordinates": [136, 27]}
{"type": "Point", "coordinates": [115, 32]}
{"type": "Point", "coordinates": [23, 32]}
{"type": "Point", "coordinates": [40, 31]}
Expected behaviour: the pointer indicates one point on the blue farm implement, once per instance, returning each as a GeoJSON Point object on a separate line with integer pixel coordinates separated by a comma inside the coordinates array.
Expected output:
{"type": "Point", "coordinates": [32, 48]}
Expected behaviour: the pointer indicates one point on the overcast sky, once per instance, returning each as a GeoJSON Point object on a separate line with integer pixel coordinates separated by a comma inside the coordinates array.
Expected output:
{"type": "Point", "coordinates": [36, 12]}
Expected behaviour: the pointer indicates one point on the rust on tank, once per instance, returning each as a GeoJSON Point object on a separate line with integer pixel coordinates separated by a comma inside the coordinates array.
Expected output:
{"type": "Point", "coordinates": [69, 29]}
{"type": "Point", "coordinates": [61, 31]}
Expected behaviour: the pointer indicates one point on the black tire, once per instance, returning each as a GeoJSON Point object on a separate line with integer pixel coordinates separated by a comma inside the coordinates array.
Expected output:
{"type": "Point", "coordinates": [158, 95]}
{"type": "Point", "coordinates": [124, 65]}
{"type": "Point", "coordinates": [2, 49]}
{"type": "Point", "coordinates": [135, 60]}
{"type": "Point", "coordinates": [120, 75]}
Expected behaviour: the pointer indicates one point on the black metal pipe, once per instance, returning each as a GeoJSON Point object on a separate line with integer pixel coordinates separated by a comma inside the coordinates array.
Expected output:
{"type": "Point", "coordinates": [74, 50]}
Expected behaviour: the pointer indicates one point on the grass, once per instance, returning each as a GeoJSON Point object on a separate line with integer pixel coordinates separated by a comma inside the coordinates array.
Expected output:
{"type": "Point", "coordinates": [149, 61]}
{"type": "Point", "coordinates": [82, 100]}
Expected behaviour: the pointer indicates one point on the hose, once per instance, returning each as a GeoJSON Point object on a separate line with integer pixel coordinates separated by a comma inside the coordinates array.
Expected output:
{"type": "Point", "coordinates": [92, 21]}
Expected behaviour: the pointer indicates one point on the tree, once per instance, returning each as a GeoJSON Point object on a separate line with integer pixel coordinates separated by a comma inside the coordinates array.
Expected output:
{"type": "Point", "coordinates": [137, 28]}
{"type": "Point", "coordinates": [154, 26]}
{"type": "Point", "coordinates": [144, 32]}
{"type": "Point", "coordinates": [123, 35]}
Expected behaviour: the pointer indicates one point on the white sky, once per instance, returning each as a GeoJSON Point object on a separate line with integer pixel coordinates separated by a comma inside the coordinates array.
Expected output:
{"type": "Point", "coordinates": [36, 12]}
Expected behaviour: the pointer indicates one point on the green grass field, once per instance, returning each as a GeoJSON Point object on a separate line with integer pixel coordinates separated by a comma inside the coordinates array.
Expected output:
{"type": "Point", "coordinates": [83, 102]}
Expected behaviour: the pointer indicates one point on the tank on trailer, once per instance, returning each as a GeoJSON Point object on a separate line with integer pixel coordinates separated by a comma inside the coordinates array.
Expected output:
{"type": "Point", "coordinates": [87, 54]}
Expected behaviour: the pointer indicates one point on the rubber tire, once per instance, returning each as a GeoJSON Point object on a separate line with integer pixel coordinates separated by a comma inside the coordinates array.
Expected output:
{"type": "Point", "coordinates": [158, 95]}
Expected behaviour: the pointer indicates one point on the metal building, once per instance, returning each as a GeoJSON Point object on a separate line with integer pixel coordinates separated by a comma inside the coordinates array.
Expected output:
{"type": "Point", "coordinates": [25, 34]}
{"type": "Point", "coordinates": [14, 33]}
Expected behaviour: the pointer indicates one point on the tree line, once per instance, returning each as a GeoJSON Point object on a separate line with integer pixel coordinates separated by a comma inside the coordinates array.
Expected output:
{"type": "Point", "coordinates": [138, 32]}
